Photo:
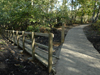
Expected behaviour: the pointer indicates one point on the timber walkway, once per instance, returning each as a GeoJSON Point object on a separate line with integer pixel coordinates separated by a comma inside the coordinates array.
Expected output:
{"type": "Point", "coordinates": [78, 56]}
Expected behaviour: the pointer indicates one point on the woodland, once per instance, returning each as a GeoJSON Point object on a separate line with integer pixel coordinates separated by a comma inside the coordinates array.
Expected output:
{"type": "Point", "coordinates": [44, 16]}
{"type": "Point", "coordinates": [34, 15]}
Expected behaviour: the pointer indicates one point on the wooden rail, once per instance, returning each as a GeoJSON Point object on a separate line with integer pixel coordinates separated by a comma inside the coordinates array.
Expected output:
{"type": "Point", "coordinates": [18, 37]}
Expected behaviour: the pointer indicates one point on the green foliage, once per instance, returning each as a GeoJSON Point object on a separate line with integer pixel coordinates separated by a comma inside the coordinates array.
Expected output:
{"type": "Point", "coordinates": [19, 14]}
{"type": "Point", "coordinates": [30, 28]}
{"type": "Point", "coordinates": [33, 28]}
{"type": "Point", "coordinates": [99, 17]}
{"type": "Point", "coordinates": [96, 26]}
{"type": "Point", "coordinates": [22, 15]}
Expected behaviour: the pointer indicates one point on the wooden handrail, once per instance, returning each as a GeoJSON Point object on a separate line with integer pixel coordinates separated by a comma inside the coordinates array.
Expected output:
{"type": "Point", "coordinates": [28, 32]}
{"type": "Point", "coordinates": [41, 45]}
{"type": "Point", "coordinates": [14, 34]}
{"type": "Point", "coordinates": [42, 34]}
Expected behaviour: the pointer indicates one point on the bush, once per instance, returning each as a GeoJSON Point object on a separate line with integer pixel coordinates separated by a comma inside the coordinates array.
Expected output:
{"type": "Point", "coordinates": [30, 28]}
{"type": "Point", "coordinates": [96, 26]}
{"type": "Point", "coordinates": [33, 28]}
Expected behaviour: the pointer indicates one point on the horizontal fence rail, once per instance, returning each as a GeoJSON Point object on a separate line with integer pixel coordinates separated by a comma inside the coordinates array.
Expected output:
{"type": "Point", "coordinates": [19, 38]}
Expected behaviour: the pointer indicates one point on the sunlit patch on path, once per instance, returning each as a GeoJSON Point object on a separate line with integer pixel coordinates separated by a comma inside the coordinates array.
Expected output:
{"type": "Point", "coordinates": [78, 56]}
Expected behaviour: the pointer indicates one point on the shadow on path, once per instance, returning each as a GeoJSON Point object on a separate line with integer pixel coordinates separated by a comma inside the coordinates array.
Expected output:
{"type": "Point", "coordinates": [78, 56]}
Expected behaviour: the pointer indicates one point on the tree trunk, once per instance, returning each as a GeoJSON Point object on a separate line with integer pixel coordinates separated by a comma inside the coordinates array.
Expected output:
{"type": "Point", "coordinates": [82, 17]}
{"type": "Point", "coordinates": [75, 17]}
{"type": "Point", "coordinates": [72, 13]}
{"type": "Point", "coordinates": [94, 11]}
{"type": "Point", "coordinates": [97, 15]}
{"type": "Point", "coordinates": [32, 2]}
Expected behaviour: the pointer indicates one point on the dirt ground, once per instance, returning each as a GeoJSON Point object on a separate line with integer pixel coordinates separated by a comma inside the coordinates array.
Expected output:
{"type": "Point", "coordinates": [12, 62]}
{"type": "Point", "coordinates": [93, 36]}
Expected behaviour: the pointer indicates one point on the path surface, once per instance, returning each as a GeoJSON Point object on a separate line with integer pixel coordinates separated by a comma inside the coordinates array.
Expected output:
{"type": "Point", "coordinates": [78, 56]}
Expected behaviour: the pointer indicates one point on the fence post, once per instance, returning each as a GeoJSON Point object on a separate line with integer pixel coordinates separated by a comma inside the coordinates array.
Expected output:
{"type": "Point", "coordinates": [33, 46]}
{"type": "Point", "coordinates": [13, 37]}
{"type": "Point", "coordinates": [8, 34]}
{"type": "Point", "coordinates": [62, 33]}
{"type": "Point", "coordinates": [23, 35]}
{"type": "Point", "coordinates": [50, 52]}
{"type": "Point", "coordinates": [17, 38]}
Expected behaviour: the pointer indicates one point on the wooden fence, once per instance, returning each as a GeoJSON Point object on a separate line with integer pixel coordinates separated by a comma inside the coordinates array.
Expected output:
{"type": "Point", "coordinates": [19, 38]}
{"type": "Point", "coordinates": [46, 57]}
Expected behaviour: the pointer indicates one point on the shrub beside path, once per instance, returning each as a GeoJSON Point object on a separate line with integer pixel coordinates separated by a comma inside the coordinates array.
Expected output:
{"type": "Point", "coordinates": [78, 56]}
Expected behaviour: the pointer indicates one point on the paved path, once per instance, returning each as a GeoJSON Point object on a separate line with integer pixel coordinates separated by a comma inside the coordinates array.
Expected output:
{"type": "Point", "coordinates": [78, 56]}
